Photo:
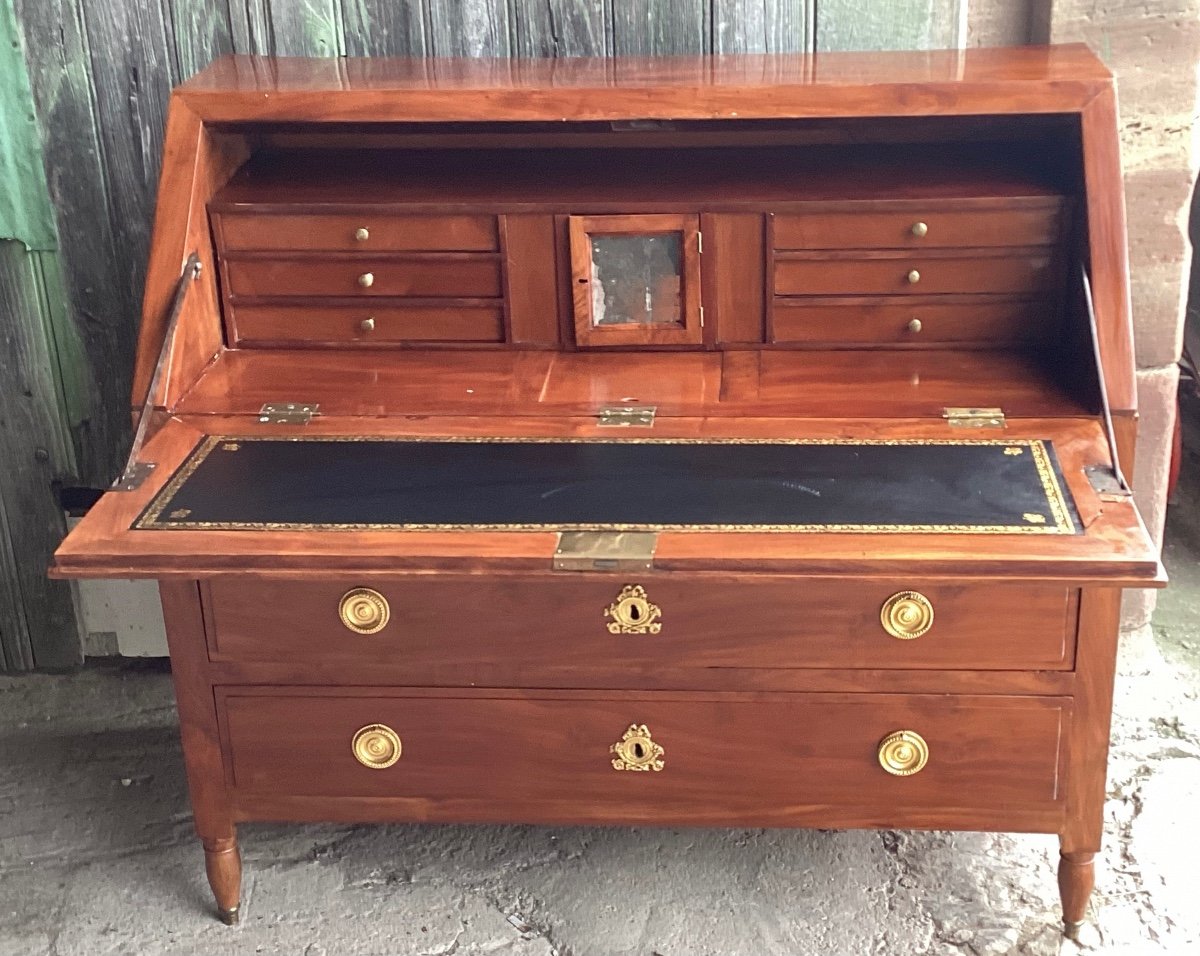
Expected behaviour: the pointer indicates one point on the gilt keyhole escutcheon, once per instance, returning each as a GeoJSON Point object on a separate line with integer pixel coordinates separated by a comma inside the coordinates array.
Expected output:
{"type": "Point", "coordinates": [632, 612]}
{"type": "Point", "coordinates": [636, 750]}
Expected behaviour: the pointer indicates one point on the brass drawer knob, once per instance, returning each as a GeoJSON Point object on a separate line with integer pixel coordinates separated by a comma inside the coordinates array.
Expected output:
{"type": "Point", "coordinates": [364, 610]}
{"type": "Point", "coordinates": [376, 746]}
{"type": "Point", "coordinates": [915, 326]}
{"type": "Point", "coordinates": [906, 615]}
{"type": "Point", "coordinates": [367, 324]}
{"type": "Point", "coordinates": [366, 280]}
{"type": "Point", "coordinates": [913, 277]}
{"type": "Point", "coordinates": [920, 229]}
{"type": "Point", "coordinates": [636, 750]}
{"type": "Point", "coordinates": [361, 234]}
{"type": "Point", "coordinates": [903, 753]}
{"type": "Point", "coordinates": [632, 612]}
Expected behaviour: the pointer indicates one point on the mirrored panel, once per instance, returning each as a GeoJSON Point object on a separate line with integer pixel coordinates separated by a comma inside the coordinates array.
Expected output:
{"type": "Point", "coordinates": [637, 279]}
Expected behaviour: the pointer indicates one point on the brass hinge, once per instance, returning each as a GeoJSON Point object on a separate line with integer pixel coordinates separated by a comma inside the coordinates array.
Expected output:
{"type": "Point", "coordinates": [974, 417]}
{"type": "Point", "coordinates": [625, 416]}
{"type": "Point", "coordinates": [287, 413]}
{"type": "Point", "coordinates": [605, 551]}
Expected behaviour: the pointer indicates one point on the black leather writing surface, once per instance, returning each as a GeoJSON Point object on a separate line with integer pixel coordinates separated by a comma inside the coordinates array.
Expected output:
{"type": "Point", "coordinates": [939, 486]}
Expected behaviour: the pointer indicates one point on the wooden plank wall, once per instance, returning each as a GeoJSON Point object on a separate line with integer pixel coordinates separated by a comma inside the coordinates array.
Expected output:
{"type": "Point", "coordinates": [101, 72]}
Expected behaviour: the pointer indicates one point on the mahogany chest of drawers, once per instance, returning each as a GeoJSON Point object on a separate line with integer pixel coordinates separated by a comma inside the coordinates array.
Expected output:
{"type": "Point", "coordinates": [730, 442]}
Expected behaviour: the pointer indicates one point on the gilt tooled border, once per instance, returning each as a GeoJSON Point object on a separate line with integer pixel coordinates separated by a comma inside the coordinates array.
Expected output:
{"type": "Point", "coordinates": [1061, 521]}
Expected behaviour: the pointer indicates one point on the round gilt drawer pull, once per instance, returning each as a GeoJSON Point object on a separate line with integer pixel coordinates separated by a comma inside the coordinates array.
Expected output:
{"type": "Point", "coordinates": [920, 230]}
{"type": "Point", "coordinates": [632, 612]}
{"type": "Point", "coordinates": [906, 615]}
{"type": "Point", "coordinates": [913, 277]}
{"type": "Point", "coordinates": [367, 324]}
{"type": "Point", "coordinates": [361, 234]}
{"type": "Point", "coordinates": [915, 326]}
{"type": "Point", "coordinates": [636, 750]}
{"type": "Point", "coordinates": [366, 280]}
{"type": "Point", "coordinates": [903, 753]}
{"type": "Point", "coordinates": [364, 611]}
{"type": "Point", "coordinates": [376, 746]}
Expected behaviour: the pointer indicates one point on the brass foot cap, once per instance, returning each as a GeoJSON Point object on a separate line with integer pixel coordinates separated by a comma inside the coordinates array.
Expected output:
{"type": "Point", "coordinates": [229, 917]}
{"type": "Point", "coordinates": [1071, 930]}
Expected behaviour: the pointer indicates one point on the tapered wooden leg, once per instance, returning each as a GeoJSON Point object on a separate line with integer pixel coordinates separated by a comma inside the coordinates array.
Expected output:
{"type": "Point", "coordinates": [1076, 877]}
{"type": "Point", "coordinates": [223, 863]}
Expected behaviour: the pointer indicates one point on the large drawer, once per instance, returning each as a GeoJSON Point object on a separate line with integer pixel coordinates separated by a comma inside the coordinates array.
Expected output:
{"type": "Point", "coordinates": [518, 752]}
{"type": "Point", "coordinates": [920, 224]}
{"type": "Point", "coordinates": [547, 623]}
{"type": "Point", "coordinates": [370, 232]}
{"type": "Point", "coordinates": [1010, 271]}
{"type": "Point", "coordinates": [461, 276]}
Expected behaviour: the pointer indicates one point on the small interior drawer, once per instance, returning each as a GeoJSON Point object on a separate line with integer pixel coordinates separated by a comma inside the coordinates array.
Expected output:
{"type": "Point", "coordinates": [921, 224]}
{"type": "Point", "coordinates": [703, 752]}
{"type": "Point", "coordinates": [365, 325]}
{"type": "Point", "coordinates": [440, 276]}
{"type": "Point", "coordinates": [919, 321]}
{"type": "Point", "coordinates": [351, 232]}
{"type": "Point", "coordinates": [1026, 271]}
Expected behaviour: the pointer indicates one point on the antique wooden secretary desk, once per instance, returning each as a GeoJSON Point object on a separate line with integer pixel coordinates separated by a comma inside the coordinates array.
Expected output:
{"type": "Point", "coordinates": [706, 441]}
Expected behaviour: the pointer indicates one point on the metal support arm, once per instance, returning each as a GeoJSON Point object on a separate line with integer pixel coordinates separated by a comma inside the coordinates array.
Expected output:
{"type": "Point", "coordinates": [137, 471]}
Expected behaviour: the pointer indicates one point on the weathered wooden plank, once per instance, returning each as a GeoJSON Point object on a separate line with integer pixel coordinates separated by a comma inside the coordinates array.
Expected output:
{"type": "Point", "coordinates": [286, 27]}
{"type": "Point", "coordinates": [661, 27]}
{"type": "Point", "coordinates": [201, 30]}
{"type": "Point", "coordinates": [249, 27]}
{"type": "Point", "coordinates": [469, 28]}
{"type": "Point", "coordinates": [763, 26]}
{"type": "Point", "coordinates": [38, 617]}
{"type": "Point", "coordinates": [890, 24]}
{"type": "Point", "coordinates": [131, 54]}
{"type": "Point", "coordinates": [385, 28]}
{"type": "Point", "coordinates": [94, 339]}
{"type": "Point", "coordinates": [563, 27]}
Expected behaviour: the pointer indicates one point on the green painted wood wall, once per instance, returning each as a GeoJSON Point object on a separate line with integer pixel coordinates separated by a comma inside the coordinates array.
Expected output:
{"type": "Point", "coordinates": [100, 72]}
{"type": "Point", "coordinates": [38, 619]}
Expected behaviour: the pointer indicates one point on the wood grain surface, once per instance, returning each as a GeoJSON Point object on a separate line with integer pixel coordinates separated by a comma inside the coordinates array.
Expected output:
{"type": "Point", "coordinates": [558, 622]}
{"type": "Point", "coordinates": [725, 754]}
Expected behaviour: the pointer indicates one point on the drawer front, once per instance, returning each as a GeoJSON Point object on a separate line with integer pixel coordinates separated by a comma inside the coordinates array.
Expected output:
{"type": "Point", "coordinates": [366, 325]}
{"type": "Point", "coordinates": [352, 232]}
{"type": "Point", "coordinates": [720, 753]}
{"type": "Point", "coordinates": [917, 226]}
{"type": "Point", "coordinates": [918, 321]}
{"type": "Point", "coordinates": [1024, 272]}
{"type": "Point", "coordinates": [427, 276]}
{"type": "Point", "coordinates": [547, 624]}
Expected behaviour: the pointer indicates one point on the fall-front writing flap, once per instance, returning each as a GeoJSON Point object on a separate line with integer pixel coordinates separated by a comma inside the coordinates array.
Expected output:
{"type": "Point", "coordinates": [748, 494]}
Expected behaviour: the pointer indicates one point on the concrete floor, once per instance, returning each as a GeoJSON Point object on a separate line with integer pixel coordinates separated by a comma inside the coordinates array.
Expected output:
{"type": "Point", "coordinates": [97, 854]}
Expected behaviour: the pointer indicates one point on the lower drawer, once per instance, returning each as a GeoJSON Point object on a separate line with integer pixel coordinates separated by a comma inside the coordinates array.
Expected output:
{"type": "Point", "coordinates": [918, 321]}
{"type": "Point", "coordinates": [366, 324]}
{"type": "Point", "coordinates": [723, 754]}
